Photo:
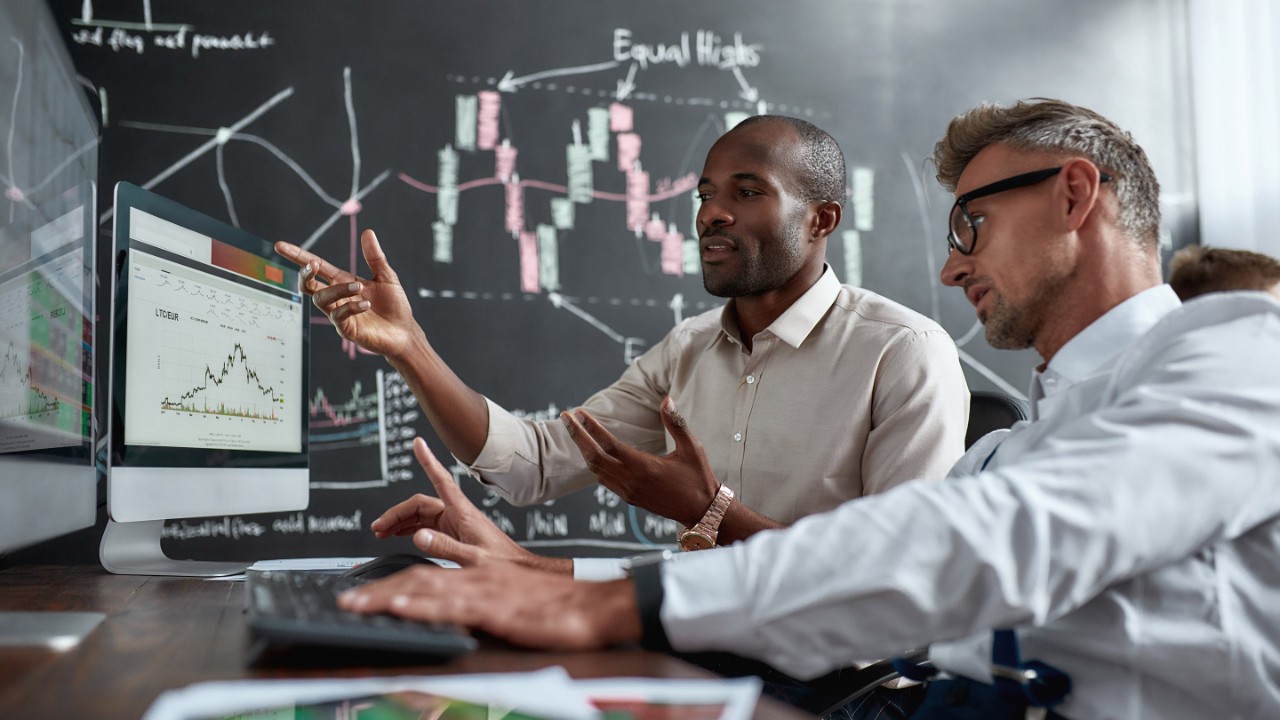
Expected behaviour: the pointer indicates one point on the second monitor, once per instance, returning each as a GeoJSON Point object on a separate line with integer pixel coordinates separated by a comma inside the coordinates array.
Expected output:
{"type": "Point", "coordinates": [208, 381]}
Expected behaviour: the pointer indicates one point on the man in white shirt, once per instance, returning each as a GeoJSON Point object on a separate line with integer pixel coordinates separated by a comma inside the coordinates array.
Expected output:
{"type": "Point", "coordinates": [1127, 535]}
{"type": "Point", "coordinates": [746, 378]}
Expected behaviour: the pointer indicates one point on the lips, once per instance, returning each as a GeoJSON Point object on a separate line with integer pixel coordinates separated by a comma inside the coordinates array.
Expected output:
{"type": "Point", "coordinates": [717, 246]}
{"type": "Point", "coordinates": [975, 293]}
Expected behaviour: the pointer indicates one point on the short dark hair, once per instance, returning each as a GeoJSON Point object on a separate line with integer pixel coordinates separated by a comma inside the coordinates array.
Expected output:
{"type": "Point", "coordinates": [1054, 126]}
{"type": "Point", "coordinates": [1196, 270]}
{"type": "Point", "coordinates": [822, 169]}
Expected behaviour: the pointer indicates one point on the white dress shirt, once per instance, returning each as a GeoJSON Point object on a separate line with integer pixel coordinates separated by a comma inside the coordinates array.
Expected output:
{"type": "Point", "coordinates": [846, 394]}
{"type": "Point", "coordinates": [1130, 533]}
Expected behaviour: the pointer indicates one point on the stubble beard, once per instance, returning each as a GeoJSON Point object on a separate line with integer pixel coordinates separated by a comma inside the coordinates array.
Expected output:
{"type": "Point", "coordinates": [1016, 327]}
{"type": "Point", "coordinates": [1007, 327]}
{"type": "Point", "coordinates": [759, 273]}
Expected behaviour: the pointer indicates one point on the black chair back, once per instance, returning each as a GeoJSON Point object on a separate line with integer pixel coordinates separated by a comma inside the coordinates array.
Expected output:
{"type": "Point", "coordinates": [992, 411]}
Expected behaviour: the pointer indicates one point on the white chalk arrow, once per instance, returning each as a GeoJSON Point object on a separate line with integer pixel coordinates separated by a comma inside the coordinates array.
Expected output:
{"type": "Point", "coordinates": [560, 302]}
{"type": "Point", "coordinates": [510, 83]}
{"type": "Point", "coordinates": [747, 92]}
{"type": "Point", "coordinates": [628, 86]}
{"type": "Point", "coordinates": [677, 306]}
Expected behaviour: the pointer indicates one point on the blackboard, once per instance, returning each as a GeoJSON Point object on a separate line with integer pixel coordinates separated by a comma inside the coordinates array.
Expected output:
{"type": "Point", "coordinates": [528, 167]}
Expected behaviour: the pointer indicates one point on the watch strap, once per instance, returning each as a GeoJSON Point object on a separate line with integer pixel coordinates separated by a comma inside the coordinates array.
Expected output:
{"type": "Point", "coordinates": [646, 578]}
{"type": "Point", "coordinates": [709, 525]}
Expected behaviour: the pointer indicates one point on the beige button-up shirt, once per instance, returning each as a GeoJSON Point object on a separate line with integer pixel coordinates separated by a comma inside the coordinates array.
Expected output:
{"type": "Point", "coordinates": [846, 394]}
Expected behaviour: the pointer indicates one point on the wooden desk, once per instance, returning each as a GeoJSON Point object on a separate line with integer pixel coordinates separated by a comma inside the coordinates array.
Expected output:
{"type": "Point", "coordinates": [163, 633]}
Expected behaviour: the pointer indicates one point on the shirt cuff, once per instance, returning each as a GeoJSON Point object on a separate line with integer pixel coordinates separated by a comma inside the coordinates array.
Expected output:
{"type": "Point", "coordinates": [499, 446]}
{"type": "Point", "coordinates": [598, 569]}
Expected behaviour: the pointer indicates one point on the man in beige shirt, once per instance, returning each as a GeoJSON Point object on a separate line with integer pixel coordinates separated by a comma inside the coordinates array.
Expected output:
{"type": "Point", "coordinates": [805, 393]}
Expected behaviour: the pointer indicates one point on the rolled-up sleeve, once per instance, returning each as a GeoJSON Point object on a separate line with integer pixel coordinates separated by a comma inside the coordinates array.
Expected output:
{"type": "Point", "coordinates": [532, 461]}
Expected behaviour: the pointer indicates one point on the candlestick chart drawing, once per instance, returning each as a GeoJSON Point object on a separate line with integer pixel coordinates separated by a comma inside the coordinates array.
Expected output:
{"type": "Point", "coordinates": [530, 172]}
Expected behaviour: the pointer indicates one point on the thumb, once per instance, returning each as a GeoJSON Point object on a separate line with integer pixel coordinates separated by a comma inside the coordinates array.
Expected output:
{"type": "Point", "coordinates": [676, 425]}
{"type": "Point", "coordinates": [379, 268]}
{"type": "Point", "coordinates": [437, 544]}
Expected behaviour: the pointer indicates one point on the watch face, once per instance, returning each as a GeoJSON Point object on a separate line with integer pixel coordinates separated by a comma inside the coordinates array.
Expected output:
{"type": "Point", "coordinates": [694, 540]}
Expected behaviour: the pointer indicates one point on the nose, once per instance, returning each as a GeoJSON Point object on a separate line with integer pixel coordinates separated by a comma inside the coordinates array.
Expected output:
{"type": "Point", "coordinates": [712, 214]}
{"type": "Point", "coordinates": [956, 269]}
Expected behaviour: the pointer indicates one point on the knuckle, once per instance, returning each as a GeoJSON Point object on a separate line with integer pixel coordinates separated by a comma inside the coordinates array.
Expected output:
{"type": "Point", "coordinates": [419, 573]}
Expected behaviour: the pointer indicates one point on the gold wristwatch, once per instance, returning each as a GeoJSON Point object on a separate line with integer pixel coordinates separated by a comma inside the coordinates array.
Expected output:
{"type": "Point", "coordinates": [703, 535]}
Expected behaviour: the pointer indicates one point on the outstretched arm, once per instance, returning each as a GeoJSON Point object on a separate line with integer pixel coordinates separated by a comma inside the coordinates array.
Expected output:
{"type": "Point", "coordinates": [375, 314]}
{"type": "Point", "coordinates": [450, 527]}
{"type": "Point", "coordinates": [679, 485]}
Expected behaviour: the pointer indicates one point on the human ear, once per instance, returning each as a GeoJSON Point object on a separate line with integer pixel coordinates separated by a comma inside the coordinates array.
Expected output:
{"type": "Point", "coordinates": [825, 219]}
{"type": "Point", "coordinates": [1083, 183]}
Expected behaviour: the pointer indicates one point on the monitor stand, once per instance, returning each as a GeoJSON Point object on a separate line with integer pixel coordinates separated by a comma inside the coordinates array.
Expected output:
{"type": "Point", "coordinates": [133, 548]}
{"type": "Point", "coordinates": [55, 631]}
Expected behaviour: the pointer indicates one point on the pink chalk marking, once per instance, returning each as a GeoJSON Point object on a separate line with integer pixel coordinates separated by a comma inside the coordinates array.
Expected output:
{"type": "Point", "coordinates": [628, 151]}
{"type": "Point", "coordinates": [682, 186]}
{"type": "Point", "coordinates": [678, 187]}
{"type": "Point", "coordinates": [411, 181]}
{"type": "Point", "coordinates": [673, 254]}
{"type": "Point", "coordinates": [655, 229]}
{"type": "Point", "coordinates": [351, 349]}
{"type": "Point", "coordinates": [350, 207]}
{"type": "Point", "coordinates": [14, 193]}
{"type": "Point", "coordinates": [620, 117]}
{"type": "Point", "coordinates": [515, 208]}
{"type": "Point", "coordinates": [504, 161]}
{"type": "Point", "coordinates": [529, 262]}
{"type": "Point", "coordinates": [637, 199]}
{"type": "Point", "coordinates": [487, 119]}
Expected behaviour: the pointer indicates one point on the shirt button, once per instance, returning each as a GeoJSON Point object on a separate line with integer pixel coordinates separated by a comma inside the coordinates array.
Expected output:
{"type": "Point", "coordinates": [751, 379]}
{"type": "Point", "coordinates": [737, 437]}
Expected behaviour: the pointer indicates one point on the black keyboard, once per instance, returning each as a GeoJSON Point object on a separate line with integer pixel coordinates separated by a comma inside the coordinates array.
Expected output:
{"type": "Point", "coordinates": [298, 607]}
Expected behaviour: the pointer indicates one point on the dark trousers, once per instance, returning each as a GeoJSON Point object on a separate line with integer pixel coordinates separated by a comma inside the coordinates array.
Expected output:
{"type": "Point", "coordinates": [965, 699]}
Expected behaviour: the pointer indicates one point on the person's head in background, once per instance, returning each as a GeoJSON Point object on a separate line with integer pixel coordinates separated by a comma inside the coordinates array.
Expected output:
{"type": "Point", "coordinates": [770, 195]}
{"type": "Point", "coordinates": [1195, 270]}
{"type": "Point", "coordinates": [1056, 219]}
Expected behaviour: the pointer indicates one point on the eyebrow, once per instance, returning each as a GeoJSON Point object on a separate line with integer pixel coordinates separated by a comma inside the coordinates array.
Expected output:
{"type": "Point", "coordinates": [749, 177]}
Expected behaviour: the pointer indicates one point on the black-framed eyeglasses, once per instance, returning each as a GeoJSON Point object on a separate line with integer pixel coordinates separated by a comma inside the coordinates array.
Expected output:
{"type": "Point", "coordinates": [963, 232]}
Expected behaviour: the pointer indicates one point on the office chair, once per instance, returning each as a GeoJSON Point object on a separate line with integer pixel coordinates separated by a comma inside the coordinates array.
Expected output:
{"type": "Point", "coordinates": [820, 696]}
{"type": "Point", "coordinates": [992, 411]}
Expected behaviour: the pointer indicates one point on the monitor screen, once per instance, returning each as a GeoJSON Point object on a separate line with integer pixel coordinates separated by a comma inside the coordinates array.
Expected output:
{"type": "Point", "coordinates": [209, 363]}
{"type": "Point", "coordinates": [48, 167]}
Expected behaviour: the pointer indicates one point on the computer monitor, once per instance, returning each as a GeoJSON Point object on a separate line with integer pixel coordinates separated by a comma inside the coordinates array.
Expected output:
{"type": "Point", "coordinates": [49, 481]}
{"type": "Point", "coordinates": [208, 380]}
{"type": "Point", "coordinates": [48, 167]}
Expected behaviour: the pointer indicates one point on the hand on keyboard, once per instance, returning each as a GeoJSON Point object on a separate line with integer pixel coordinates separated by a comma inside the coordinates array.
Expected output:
{"type": "Point", "coordinates": [299, 607]}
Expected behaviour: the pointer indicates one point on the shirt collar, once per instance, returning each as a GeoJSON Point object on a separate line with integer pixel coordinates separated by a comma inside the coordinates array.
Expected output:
{"type": "Point", "coordinates": [1103, 340]}
{"type": "Point", "coordinates": [794, 324]}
